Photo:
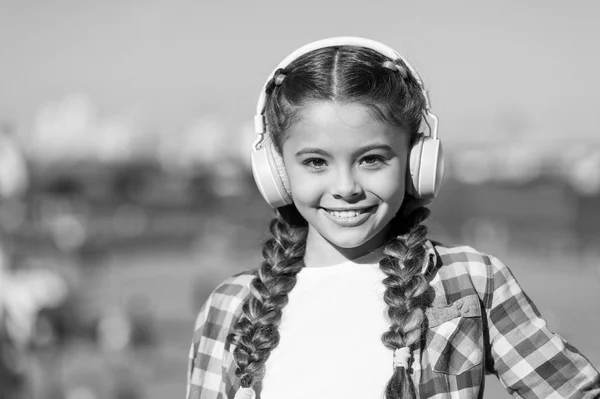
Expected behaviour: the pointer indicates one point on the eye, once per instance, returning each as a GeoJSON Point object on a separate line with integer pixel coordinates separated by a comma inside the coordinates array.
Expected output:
{"type": "Point", "coordinates": [373, 161]}
{"type": "Point", "coordinates": [315, 163]}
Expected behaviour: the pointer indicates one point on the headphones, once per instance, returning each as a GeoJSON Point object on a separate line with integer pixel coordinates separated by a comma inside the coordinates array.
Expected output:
{"type": "Point", "coordinates": [426, 161]}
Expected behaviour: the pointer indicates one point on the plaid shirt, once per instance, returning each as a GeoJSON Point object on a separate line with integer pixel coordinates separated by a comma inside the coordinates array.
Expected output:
{"type": "Point", "coordinates": [480, 321]}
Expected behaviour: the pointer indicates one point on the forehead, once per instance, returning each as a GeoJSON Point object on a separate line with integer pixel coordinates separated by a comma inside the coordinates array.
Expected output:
{"type": "Point", "coordinates": [343, 127]}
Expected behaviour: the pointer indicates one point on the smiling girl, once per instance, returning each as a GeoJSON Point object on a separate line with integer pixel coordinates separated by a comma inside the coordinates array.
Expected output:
{"type": "Point", "coordinates": [352, 300]}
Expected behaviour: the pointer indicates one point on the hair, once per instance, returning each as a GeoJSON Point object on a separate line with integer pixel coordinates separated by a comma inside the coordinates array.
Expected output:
{"type": "Point", "coordinates": [343, 74]}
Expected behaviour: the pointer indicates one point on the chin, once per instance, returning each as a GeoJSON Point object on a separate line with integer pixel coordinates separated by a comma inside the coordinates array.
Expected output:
{"type": "Point", "coordinates": [350, 240]}
{"type": "Point", "coordinates": [348, 244]}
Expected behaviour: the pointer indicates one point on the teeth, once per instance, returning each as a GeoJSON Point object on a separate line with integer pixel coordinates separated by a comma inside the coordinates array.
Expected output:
{"type": "Point", "coordinates": [345, 214]}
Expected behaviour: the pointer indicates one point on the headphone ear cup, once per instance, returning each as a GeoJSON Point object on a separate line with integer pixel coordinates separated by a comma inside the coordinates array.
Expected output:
{"type": "Point", "coordinates": [280, 167]}
{"type": "Point", "coordinates": [270, 176]}
{"type": "Point", "coordinates": [426, 168]}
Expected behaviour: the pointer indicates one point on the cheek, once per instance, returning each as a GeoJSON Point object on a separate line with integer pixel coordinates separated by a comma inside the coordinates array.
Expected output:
{"type": "Point", "coordinates": [306, 188]}
{"type": "Point", "coordinates": [388, 185]}
{"type": "Point", "coordinates": [395, 190]}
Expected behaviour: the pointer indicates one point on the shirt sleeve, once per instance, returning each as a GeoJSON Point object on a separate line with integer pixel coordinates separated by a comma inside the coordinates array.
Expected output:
{"type": "Point", "coordinates": [193, 383]}
{"type": "Point", "coordinates": [529, 360]}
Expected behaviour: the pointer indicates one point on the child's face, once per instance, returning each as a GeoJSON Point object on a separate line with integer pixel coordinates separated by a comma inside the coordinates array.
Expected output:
{"type": "Point", "coordinates": [347, 173]}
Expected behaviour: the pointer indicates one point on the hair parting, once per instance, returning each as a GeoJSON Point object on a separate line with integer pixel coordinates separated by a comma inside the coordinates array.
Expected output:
{"type": "Point", "coordinates": [347, 75]}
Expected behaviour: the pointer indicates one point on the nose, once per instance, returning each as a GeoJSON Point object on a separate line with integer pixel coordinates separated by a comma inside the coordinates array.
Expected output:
{"type": "Point", "coordinates": [345, 185]}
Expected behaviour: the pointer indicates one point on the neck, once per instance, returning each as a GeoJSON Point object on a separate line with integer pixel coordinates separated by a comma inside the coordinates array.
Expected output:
{"type": "Point", "coordinates": [321, 252]}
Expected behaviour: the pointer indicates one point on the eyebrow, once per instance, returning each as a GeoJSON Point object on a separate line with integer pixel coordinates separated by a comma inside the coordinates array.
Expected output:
{"type": "Point", "coordinates": [360, 151]}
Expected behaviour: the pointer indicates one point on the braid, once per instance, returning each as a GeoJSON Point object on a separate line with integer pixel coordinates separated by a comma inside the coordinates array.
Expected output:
{"type": "Point", "coordinates": [405, 294]}
{"type": "Point", "coordinates": [255, 334]}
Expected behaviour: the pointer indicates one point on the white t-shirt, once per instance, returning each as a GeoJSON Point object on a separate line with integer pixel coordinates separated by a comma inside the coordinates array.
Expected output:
{"type": "Point", "coordinates": [331, 331]}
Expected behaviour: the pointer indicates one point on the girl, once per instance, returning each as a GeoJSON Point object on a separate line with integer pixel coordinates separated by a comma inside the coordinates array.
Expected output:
{"type": "Point", "coordinates": [352, 299]}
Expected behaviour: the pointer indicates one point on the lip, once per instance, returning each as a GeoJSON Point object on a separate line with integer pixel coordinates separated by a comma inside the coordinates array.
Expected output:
{"type": "Point", "coordinates": [352, 221]}
{"type": "Point", "coordinates": [356, 208]}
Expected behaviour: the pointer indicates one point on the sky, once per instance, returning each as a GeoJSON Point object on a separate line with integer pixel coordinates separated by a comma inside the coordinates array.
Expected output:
{"type": "Point", "coordinates": [495, 70]}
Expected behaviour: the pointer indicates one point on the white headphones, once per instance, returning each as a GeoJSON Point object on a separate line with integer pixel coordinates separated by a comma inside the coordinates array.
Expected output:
{"type": "Point", "coordinates": [426, 161]}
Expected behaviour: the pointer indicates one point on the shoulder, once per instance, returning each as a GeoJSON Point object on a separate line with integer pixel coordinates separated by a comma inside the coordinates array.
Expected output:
{"type": "Point", "coordinates": [464, 270]}
{"type": "Point", "coordinates": [236, 287]}
{"type": "Point", "coordinates": [462, 256]}
{"type": "Point", "coordinates": [469, 259]}
{"type": "Point", "coordinates": [224, 303]}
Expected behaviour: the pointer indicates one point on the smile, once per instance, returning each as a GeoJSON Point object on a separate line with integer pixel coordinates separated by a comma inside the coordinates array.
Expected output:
{"type": "Point", "coordinates": [349, 217]}
{"type": "Point", "coordinates": [348, 213]}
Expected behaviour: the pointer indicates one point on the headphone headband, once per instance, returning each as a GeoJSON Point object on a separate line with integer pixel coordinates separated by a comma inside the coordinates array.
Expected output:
{"type": "Point", "coordinates": [259, 119]}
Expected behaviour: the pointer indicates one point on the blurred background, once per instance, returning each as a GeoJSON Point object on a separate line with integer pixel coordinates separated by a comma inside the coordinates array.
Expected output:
{"type": "Point", "coordinates": [126, 194]}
